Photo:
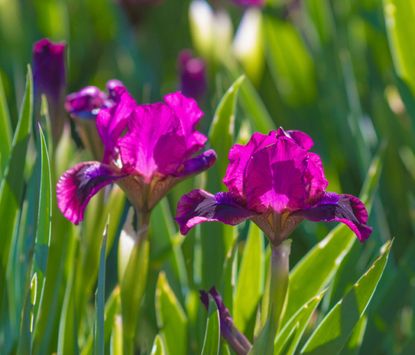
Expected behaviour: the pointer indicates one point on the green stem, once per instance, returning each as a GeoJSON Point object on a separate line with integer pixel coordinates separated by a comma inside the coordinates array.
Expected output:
{"type": "Point", "coordinates": [279, 272]}
{"type": "Point", "coordinates": [134, 281]}
{"type": "Point", "coordinates": [279, 281]}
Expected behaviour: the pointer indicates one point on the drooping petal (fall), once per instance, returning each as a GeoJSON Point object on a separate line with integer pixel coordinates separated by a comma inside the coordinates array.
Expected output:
{"type": "Point", "coordinates": [199, 206]}
{"type": "Point", "coordinates": [342, 208]}
{"type": "Point", "coordinates": [79, 184]}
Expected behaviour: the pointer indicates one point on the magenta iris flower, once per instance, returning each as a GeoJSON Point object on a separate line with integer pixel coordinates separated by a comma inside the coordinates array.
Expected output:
{"type": "Point", "coordinates": [193, 82]}
{"type": "Point", "coordinates": [276, 182]}
{"type": "Point", "coordinates": [87, 102]}
{"type": "Point", "coordinates": [147, 150]}
{"type": "Point", "coordinates": [248, 3]}
{"type": "Point", "coordinates": [49, 79]}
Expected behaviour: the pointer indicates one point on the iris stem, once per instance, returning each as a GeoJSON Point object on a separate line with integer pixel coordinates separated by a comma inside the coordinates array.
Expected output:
{"type": "Point", "coordinates": [279, 272]}
{"type": "Point", "coordinates": [132, 286]}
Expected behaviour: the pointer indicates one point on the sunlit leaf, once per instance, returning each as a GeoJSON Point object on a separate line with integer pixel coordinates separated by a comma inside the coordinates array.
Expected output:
{"type": "Point", "coordinates": [171, 318]}
{"type": "Point", "coordinates": [334, 330]}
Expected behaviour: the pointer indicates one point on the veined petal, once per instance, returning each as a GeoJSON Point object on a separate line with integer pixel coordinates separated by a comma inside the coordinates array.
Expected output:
{"type": "Point", "coordinates": [342, 208]}
{"type": "Point", "coordinates": [79, 184]}
{"type": "Point", "coordinates": [200, 206]}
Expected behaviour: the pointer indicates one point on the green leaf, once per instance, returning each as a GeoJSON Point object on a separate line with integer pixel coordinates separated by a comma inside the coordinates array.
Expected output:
{"type": "Point", "coordinates": [399, 15]}
{"type": "Point", "coordinates": [221, 134]}
{"type": "Point", "coordinates": [133, 285]}
{"type": "Point", "coordinates": [11, 188]}
{"type": "Point", "coordinates": [158, 346]}
{"type": "Point", "coordinates": [44, 218]}
{"type": "Point", "coordinates": [99, 333]}
{"type": "Point", "coordinates": [252, 103]}
{"type": "Point", "coordinates": [5, 131]}
{"type": "Point", "coordinates": [112, 323]}
{"type": "Point", "coordinates": [250, 283]}
{"type": "Point", "coordinates": [290, 64]}
{"type": "Point", "coordinates": [171, 318]}
{"type": "Point", "coordinates": [212, 334]}
{"type": "Point", "coordinates": [321, 263]}
{"type": "Point", "coordinates": [290, 335]}
{"type": "Point", "coordinates": [356, 339]}
{"type": "Point", "coordinates": [334, 330]}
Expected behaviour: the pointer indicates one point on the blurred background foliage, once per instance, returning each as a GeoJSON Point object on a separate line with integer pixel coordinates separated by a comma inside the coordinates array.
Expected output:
{"type": "Point", "coordinates": [342, 71]}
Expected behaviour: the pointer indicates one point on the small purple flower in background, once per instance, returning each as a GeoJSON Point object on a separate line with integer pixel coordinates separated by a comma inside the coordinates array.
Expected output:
{"type": "Point", "coordinates": [87, 102]}
{"type": "Point", "coordinates": [84, 106]}
{"type": "Point", "coordinates": [193, 82]}
{"type": "Point", "coordinates": [276, 182]}
{"type": "Point", "coordinates": [239, 343]}
{"type": "Point", "coordinates": [248, 3]}
{"type": "Point", "coordinates": [147, 150]}
{"type": "Point", "coordinates": [49, 79]}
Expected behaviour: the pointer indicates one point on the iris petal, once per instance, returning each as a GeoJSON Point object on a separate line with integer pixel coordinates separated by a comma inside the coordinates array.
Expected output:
{"type": "Point", "coordinates": [200, 206]}
{"type": "Point", "coordinates": [342, 208]}
{"type": "Point", "coordinates": [79, 184]}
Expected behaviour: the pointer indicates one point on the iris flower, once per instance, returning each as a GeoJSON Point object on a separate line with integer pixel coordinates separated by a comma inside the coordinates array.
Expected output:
{"type": "Point", "coordinates": [147, 150]}
{"type": "Point", "coordinates": [276, 182]}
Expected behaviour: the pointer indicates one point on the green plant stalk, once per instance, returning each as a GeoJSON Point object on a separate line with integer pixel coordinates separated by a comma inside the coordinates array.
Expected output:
{"type": "Point", "coordinates": [279, 273]}
{"type": "Point", "coordinates": [132, 285]}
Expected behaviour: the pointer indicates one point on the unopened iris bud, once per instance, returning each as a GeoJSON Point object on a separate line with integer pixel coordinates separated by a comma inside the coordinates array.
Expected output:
{"type": "Point", "coordinates": [236, 340]}
{"type": "Point", "coordinates": [192, 75]}
{"type": "Point", "coordinates": [49, 79]}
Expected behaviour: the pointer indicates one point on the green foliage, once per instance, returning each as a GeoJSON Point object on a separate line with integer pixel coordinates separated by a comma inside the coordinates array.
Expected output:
{"type": "Point", "coordinates": [212, 334]}
{"type": "Point", "coordinates": [341, 71]}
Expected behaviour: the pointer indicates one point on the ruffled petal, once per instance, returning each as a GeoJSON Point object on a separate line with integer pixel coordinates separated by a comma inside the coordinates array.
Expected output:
{"type": "Point", "coordinates": [161, 137]}
{"type": "Point", "coordinates": [111, 123]}
{"type": "Point", "coordinates": [199, 206]}
{"type": "Point", "coordinates": [189, 114]}
{"type": "Point", "coordinates": [239, 155]}
{"type": "Point", "coordinates": [79, 184]}
{"type": "Point", "coordinates": [342, 208]}
{"type": "Point", "coordinates": [283, 177]}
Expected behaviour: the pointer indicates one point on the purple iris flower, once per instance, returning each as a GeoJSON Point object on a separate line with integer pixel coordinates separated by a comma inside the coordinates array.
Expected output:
{"type": "Point", "coordinates": [147, 150]}
{"type": "Point", "coordinates": [49, 79]}
{"type": "Point", "coordinates": [239, 343]}
{"type": "Point", "coordinates": [192, 70]}
{"type": "Point", "coordinates": [87, 102]}
{"type": "Point", "coordinates": [276, 182]}
{"type": "Point", "coordinates": [249, 3]}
